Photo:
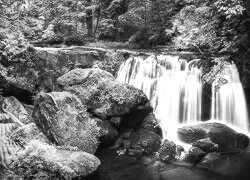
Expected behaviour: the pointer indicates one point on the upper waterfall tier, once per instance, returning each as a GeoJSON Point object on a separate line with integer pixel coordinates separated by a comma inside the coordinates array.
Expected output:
{"type": "Point", "coordinates": [173, 86]}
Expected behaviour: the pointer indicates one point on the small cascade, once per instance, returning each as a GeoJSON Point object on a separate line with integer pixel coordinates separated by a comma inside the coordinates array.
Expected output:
{"type": "Point", "coordinates": [173, 86]}
{"type": "Point", "coordinates": [228, 101]}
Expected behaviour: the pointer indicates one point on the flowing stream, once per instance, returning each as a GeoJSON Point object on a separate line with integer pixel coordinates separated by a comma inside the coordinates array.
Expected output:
{"type": "Point", "coordinates": [174, 87]}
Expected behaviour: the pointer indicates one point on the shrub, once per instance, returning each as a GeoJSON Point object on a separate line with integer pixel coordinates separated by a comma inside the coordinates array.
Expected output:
{"type": "Point", "coordinates": [76, 39]}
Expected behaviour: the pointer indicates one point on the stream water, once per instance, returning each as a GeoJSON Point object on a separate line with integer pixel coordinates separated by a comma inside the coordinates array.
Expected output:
{"type": "Point", "coordinates": [174, 87]}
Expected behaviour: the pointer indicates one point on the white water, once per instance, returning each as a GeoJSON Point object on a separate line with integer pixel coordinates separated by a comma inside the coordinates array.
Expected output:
{"type": "Point", "coordinates": [174, 88]}
{"type": "Point", "coordinates": [228, 102]}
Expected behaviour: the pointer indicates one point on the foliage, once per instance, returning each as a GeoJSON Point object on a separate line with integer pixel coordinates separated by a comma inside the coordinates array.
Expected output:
{"type": "Point", "coordinates": [215, 72]}
{"type": "Point", "coordinates": [77, 39]}
{"type": "Point", "coordinates": [210, 25]}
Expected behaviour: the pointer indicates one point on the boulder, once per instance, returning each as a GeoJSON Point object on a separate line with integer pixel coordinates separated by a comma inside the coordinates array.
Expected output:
{"type": "Point", "coordinates": [42, 161]}
{"type": "Point", "coordinates": [225, 137]}
{"type": "Point", "coordinates": [194, 155]}
{"type": "Point", "coordinates": [65, 121]}
{"type": "Point", "coordinates": [167, 151]}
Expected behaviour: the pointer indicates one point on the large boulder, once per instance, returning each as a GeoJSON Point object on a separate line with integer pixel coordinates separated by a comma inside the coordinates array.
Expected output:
{"type": "Point", "coordinates": [65, 121]}
{"type": "Point", "coordinates": [225, 137]}
{"type": "Point", "coordinates": [106, 97]}
{"type": "Point", "coordinates": [42, 161]}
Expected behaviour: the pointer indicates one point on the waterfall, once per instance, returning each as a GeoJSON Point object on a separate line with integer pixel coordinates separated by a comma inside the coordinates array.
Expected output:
{"type": "Point", "coordinates": [228, 101]}
{"type": "Point", "coordinates": [174, 88]}
{"type": "Point", "coordinates": [172, 85]}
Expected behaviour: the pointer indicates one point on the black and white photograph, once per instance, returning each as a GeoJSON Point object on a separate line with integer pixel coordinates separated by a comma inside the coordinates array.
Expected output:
{"type": "Point", "coordinates": [124, 89]}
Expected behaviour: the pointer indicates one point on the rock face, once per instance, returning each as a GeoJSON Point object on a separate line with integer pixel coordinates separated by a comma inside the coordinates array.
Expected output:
{"type": "Point", "coordinates": [104, 96]}
{"type": "Point", "coordinates": [194, 155]}
{"type": "Point", "coordinates": [64, 120]}
{"type": "Point", "coordinates": [42, 161]}
{"type": "Point", "coordinates": [227, 139]}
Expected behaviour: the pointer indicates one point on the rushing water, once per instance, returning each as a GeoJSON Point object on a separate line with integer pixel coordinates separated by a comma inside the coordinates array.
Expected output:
{"type": "Point", "coordinates": [228, 102]}
{"type": "Point", "coordinates": [174, 88]}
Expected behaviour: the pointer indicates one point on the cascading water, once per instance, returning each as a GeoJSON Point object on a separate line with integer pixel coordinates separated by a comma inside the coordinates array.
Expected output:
{"type": "Point", "coordinates": [228, 101]}
{"type": "Point", "coordinates": [173, 86]}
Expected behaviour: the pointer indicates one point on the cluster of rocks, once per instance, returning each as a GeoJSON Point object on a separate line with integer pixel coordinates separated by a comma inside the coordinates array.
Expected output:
{"type": "Point", "coordinates": [91, 110]}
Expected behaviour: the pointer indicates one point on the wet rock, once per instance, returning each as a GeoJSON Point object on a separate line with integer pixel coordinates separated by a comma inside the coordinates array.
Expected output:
{"type": "Point", "coordinates": [226, 138]}
{"type": "Point", "coordinates": [179, 150]}
{"type": "Point", "coordinates": [194, 155]}
{"type": "Point", "coordinates": [144, 142]}
{"type": "Point", "coordinates": [151, 123]}
{"type": "Point", "coordinates": [167, 151]}
{"type": "Point", "coordinates": [206, 145]}
{"type": "Point", "coordinates": [65, 121]}
{"type": "Point", "coordinates": [41, 160]}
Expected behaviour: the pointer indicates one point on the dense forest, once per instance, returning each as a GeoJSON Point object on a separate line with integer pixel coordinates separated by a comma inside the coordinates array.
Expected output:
{"type": "Point", "coordinates": [215, 27]}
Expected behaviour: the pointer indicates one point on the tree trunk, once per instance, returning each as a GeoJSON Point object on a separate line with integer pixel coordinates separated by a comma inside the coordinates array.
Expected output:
{"type": "Point", "coordinates": [89, 21]}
